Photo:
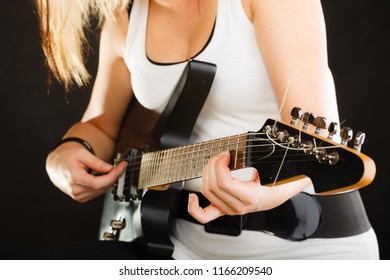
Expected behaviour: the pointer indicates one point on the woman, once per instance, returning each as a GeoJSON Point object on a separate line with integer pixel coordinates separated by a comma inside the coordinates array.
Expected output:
{"type": "Point", "coordinates": [270, 57]}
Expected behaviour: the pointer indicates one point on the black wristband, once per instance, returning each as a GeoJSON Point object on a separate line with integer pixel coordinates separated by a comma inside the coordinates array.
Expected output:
{"type": "Point", "coordinates": [78, 140]}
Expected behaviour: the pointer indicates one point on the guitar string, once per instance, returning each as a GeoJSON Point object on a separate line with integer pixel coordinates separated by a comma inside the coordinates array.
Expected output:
{"type": "Point", "coordinates": [280, 168]}
{"type": "Point", "coordinates": [278, 117]}
{"type": "Point", "coordinates": [162, 170]}
{"type": "Point", "coordinates": [287, 148]}
{"type": "Point", "coordinates": [205, 146]}
{"type": "Point", "coordinates": [155, 178]}
{"type": "Point", "coordinates": [201, 153]}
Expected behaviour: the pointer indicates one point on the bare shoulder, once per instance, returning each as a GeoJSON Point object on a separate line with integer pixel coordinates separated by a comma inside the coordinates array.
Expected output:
{"type": "Point", "coordinates": [114, 31]}
{"type": "Point", "coordinates": [291, 36]}
{"type": "Point", "coordinates": [285, 9]}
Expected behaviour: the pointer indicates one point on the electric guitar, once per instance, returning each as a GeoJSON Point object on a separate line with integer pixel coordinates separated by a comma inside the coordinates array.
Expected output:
{"type": "Point", "coordinates": [143, 201]}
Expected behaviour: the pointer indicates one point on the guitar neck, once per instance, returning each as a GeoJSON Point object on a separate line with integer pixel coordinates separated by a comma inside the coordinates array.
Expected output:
{"type": "Point", "coordinates": [168, 166]}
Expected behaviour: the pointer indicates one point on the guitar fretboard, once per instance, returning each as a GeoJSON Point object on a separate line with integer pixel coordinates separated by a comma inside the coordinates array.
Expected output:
{"type": "Point", "coordinates": [184, 163]}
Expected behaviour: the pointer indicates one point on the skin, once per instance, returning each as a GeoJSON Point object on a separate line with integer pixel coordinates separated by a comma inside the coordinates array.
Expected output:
{"type": "Point", "coordinates": [292, 40]}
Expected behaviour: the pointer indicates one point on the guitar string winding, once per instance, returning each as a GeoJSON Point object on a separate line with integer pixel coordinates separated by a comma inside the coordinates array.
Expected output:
{"type": "Point", "coordinates": [280, 112]}
{"type": "Point", "coordinates": [280, 166]}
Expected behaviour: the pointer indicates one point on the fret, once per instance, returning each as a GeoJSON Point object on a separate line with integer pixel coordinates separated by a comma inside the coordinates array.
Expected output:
{"type": "Point", "coordinates": [204, 150]}
{"type": "Point", "coordinates": [185, 162]}
{"type": "Point", "coordinates": [192, 163]}
{"type": "Point", "coordinates": [199, 167]}
{"type": "Point", "coordinates": [150, 164]}
{"type": "Point", "coordinates": [179, 159]}
{"type": "Point", "coordinates": [165, 166]}
{"type": "Point", "coordinates": [208, 153]}
{"type": "Point", "coordinates": [175, 166]}
{"type": "Point", "coordinates": [220, 146]}
{"type": "Point", "coordinates": [236, 153]}
{"type": "Point", "coordinates": [162, 173]}
{"type": "Point", "coordinates": [155, 169]}
{"type": "Point", "coordinates": [213, 149]}
{"type": "Point", "coordinates": [224, 145]}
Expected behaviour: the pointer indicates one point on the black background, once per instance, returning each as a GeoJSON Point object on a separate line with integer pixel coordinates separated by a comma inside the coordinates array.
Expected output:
{"type": "Point", "coordinates": [34, 214]}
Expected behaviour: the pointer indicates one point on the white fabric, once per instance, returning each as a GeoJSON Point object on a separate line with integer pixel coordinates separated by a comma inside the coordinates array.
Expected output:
{"type": "Point", "coordinates": [241, 99]}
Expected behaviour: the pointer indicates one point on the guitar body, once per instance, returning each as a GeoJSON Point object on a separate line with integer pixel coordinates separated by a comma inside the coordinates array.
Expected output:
{"type": "Point", "coordinates": [144, 130]}
{"type": "Point", "coordinates": [149, 219]}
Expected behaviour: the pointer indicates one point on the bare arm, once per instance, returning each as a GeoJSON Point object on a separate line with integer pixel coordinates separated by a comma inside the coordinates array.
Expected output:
{"type": "Point", "coordinates": [111, 92]}
{"type": "Point", "coordinates": [292, 40]}
{"type": "Point", "coordinates": [67, 166]}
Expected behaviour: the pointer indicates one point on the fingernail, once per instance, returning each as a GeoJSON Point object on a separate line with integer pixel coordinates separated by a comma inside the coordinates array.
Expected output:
{"type": "Point", "coordinates": [107, 166]}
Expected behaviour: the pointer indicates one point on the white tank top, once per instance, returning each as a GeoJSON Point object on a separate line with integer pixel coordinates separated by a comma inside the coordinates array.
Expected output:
{"type": "Point", "coordinates": [241, 97]}
{"type": "Point", "coordinates": [240, 100]}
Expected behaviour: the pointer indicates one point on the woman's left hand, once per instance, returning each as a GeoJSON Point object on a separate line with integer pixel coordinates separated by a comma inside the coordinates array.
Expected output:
{"type": "Point", "coordinates": [230, 196]}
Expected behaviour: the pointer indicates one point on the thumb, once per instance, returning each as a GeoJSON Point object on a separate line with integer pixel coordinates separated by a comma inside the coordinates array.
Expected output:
{"type": "Point", "coordinates": [96, 164]}
{"type": "Point", "coordinates": [202, 215]}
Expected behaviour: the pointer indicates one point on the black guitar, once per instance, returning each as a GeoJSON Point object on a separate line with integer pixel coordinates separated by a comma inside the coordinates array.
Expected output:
{"type": "Point", "coordinates": [278, 150]}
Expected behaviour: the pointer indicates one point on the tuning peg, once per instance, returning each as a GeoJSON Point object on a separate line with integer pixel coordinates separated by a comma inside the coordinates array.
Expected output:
{"type": "Point", "coordinates": [319, 123]}
{"type": "Point", "coordinates": [296, 114]}
{"type": "Point", "coordinates": [359, 140]}
{"type": "Point", "coordinates": [346, 135]}
{"type": "Point", "coordinates": [332, 129]}
{"type": "Point", "coordinates": [307, 118]}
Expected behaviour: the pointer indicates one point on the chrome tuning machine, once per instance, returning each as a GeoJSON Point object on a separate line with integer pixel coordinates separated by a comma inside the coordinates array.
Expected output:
{"type": "Point", "coordinates": [360, 137]}
{"type": "Point", "coordinates": [346, 135]}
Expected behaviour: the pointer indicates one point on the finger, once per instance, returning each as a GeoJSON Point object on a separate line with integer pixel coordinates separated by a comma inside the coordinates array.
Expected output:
{"type": "Point", "coordinates": [233, 196]}
{"type": "Point", "coordinates": [216, 178]}
{"type": "Point", "coordinates": [224, 203]}
{"type": "Point", "coordinates": [244, 192]}
{"type": "Point", "coordinates": [83, 193]}
{"type": "Point", "coordinates": [95, 163]}
{"type": "Point", "coordinates": [85, 196]}
{"type": "Point", "coordinates": [202, 215]}
{"type": "Point", "coordinates": [102, 181]}
{"type": "Point", "coordinates": [211, 174]}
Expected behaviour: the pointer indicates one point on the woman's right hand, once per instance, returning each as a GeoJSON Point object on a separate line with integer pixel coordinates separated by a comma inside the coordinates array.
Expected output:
{"type": "Point", "coordinates": [68, 168]}
{"type": "Point", "coordinates": [69, 164]}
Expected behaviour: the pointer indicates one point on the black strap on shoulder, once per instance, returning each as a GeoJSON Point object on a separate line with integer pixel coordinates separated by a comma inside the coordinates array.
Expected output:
{"type": "Point", "coordinates": [177, 121]}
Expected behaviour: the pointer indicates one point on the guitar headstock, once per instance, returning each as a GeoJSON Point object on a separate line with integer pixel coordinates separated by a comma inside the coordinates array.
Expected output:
{"type": "Point", "coordinates": [304, 147]}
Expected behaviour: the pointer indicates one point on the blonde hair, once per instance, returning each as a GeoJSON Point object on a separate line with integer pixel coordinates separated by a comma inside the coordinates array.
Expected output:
{"type": "Point", "coordinates": [62, 28]}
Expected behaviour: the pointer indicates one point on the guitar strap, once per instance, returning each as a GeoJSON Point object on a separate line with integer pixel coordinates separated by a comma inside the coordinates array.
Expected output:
{"type": "Point", "coordinates": [174, 125]}
{"type": "Point", "coordinates": [177, 121]}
